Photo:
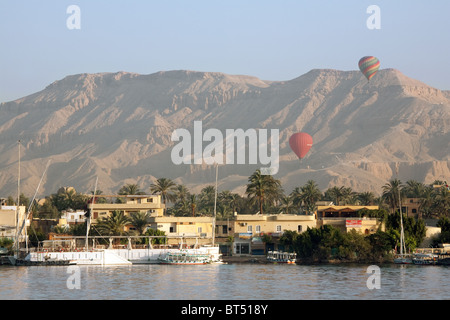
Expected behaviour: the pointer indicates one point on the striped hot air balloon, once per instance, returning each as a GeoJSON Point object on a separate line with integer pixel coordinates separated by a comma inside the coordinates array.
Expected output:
{"type": "Point", "coordinates": [369, 66]}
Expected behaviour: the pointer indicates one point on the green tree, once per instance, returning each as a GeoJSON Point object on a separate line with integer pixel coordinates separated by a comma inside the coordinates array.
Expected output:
{"type": "Point", "coordinates": [392, 193]}
{"type": "Point", "coordinates": [289, 239]}
{"type": "Point", "coordinates": [414, 230]}
{"type": "Point", "coordinates": [48, 210]}
{"type": "Point", "coordinates": [366, 198]}
{"type": "Point", "coordinates": [156, 233]}
{"type": "Point", "coordinates": [206, 200]}
{"type": "Point", "coordinates": [263, 189]}
{"type": "Point", "coordinates": [166, 188]}
{"type": "Point", "coordinates": [113, 225]}
{"type": "Point", "coordinates": [334, 194]}
{"type": "Point", "coordinates": [193, 203]}
{"type": "Point", "coordinates": [287, 205]}
{"type": "Point", "coordinates": [307, 196]}
{"type": "Point", "coordinates": [139, 220]}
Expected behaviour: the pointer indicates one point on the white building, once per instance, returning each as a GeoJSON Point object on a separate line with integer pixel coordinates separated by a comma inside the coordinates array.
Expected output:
{"type": "Point", "coordinates": [72, 217]}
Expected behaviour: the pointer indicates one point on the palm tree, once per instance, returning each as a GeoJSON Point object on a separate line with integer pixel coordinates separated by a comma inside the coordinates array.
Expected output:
{"type": "Point", "coordinates": [166, 188]}
{"type": "Point", "coordinates": [349, 196]}
{"type": "Point", "coordinates": [139, 220]}
{"type": "Point", "coordinates": [442, 202]}
{"type": "Point", "coordinates": [414, 189]}
{"type": "Point", "coordinates": [335, 193]}
{"type": "Point", "coordinates": [263, 189]}
{"type": "Point", "coordinates": [392, 193]}
{"type": "Point", "coordinates": [426, 202]}
{"type": "Point", "coordinates": [113, 225]}
{"type": "Point", "coordinates": [287, 204]}
{"type": "Point", "coordinates": [206, 200]}
{"type": "Point", "coordinates": [130, 189]}
{"type": "Point", "coordinates": [98, 197]}
{"type": "Point", "coordinates": [181, 192]}
{"type": "Point", "coordinates": [307, 195]}
{"type": "Point", "coordinates": [366, 198]}
{"type": "Point", "coordinates": [193, 203]}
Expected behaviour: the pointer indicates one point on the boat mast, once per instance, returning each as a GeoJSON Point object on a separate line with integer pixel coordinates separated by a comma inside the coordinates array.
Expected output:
{"type": "Point", "coordinates": [215, 208]}
{"type": "Point", "coordinates": [88, 222]}
{"type": "Point", "coordinates": [18, 204]}
{"type": "Point", "coordinates": [402, 233]}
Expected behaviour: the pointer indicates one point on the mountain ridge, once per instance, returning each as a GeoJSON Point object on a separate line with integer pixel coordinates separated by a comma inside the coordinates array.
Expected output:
{"type": "Point", "coordinates": [118, 126]}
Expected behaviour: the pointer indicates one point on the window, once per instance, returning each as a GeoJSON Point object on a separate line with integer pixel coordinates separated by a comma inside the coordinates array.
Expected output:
{"type": "Point", "coordinates": [299, 228]}
{"type": "Point", "coordinates": [278, 228]}
{"type": "Point", "coordinates": [258, 229]}
{"type": "Point", "coordinates": [199, 230]}
{"type": "Point", "coordinates": [172, 230]}
{"type": "Point", "coordinates": [224, 230]}
{"type": "Point", "coordinates": [249, 229]}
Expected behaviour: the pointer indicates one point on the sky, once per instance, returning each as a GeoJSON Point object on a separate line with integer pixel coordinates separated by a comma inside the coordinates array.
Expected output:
{"type": "Point", "coordinates": [269, 39]}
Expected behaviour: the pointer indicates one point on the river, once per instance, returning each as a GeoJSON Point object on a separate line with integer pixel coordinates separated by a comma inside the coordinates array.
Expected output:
{"type": "Point", "coordinates": [225, 282]}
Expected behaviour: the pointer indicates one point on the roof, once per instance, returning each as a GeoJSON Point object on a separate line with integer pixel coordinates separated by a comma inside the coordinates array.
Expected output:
{"type": "Point", "coordinates": [346, 208]}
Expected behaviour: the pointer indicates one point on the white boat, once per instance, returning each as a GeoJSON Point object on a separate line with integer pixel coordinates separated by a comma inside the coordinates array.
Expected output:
{"type": "Point", "coordinates": [425, 259]}
{"type": "Point", "coordinates": [184, 257]}
{"type": "Point", "coordinates": [127, 256]}
{"type": "Point", "coordinates": [281, 257]}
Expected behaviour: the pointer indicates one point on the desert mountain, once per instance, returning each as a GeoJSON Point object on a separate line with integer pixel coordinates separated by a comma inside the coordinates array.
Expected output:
{"type": "Point", "coordinates": [118, 126]}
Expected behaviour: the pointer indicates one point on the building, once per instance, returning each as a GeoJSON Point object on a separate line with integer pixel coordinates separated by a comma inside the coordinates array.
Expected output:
{"type": "Point", "coordinates": [10, 218]}
{"type": "Point", "coordinates": [190, 230]}
{"type": "Point", "coordinates": [411, 206]}
{"type": "Point", "coordinates": [347, 218]}
{"type": "Point", "coordinates": [248, 231]}
{"type": "Point", "coordinates": [71, 217]}
{"type": "Point", "coordinates": [133, 203]}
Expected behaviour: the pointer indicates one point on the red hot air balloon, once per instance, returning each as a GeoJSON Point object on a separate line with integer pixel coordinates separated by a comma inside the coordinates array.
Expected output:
{"type": "Point", "coordinates": [300, 143]}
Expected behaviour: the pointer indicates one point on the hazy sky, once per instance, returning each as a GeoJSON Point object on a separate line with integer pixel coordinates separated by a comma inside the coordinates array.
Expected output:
{"type": "Point", "coordinates": [272, 40]}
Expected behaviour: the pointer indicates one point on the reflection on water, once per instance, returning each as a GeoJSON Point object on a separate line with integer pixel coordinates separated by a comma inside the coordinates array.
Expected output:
{"type": "Point", "coordinates": [225, 282]}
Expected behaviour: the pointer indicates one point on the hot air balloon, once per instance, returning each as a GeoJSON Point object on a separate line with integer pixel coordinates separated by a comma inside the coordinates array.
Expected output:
{"type": "Point", "coordinates": [300, 143]}
{"type": "Point", "coordinates": [369, 66]}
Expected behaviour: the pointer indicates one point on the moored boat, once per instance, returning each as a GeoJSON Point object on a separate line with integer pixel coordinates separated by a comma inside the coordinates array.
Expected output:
{"type": "Point", "coordinates": [281, 257]}
{"type": "Point", "coordinates": [183, 257]}
{"type": "Point", "coordinates": [425, 258]}
{"type": "Point", "coordinates": [403, 259]}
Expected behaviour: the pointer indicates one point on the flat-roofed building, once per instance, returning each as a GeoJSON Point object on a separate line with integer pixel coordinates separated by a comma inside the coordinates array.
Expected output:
{"type": "Point", "coordinates": [10, 218]}
{"type": "Point", "coordinates": [347, 218]}
{"type": "Point", "coordinates": [248, 230]}
{"type": "Point", "coordinates": [133, 203]}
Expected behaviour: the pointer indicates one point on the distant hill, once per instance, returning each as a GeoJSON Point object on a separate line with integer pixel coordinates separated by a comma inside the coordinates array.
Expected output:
{"type": "Point", "coordinates": [118, 126]}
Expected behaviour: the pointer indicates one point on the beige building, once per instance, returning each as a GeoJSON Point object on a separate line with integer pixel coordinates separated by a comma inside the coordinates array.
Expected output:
{"type": "Point", "coordinates": [8, 221]}
{"type": "Point", "coordinates": [187, 229]}
{"type": "Point", "coordinates": [247, 230]}
{"type": "Point", "coordinates": [190, 230]}
{"type": "Point", "coordinates": [347, 218]}
{"type": "Point", "coordinates": [133, 203]}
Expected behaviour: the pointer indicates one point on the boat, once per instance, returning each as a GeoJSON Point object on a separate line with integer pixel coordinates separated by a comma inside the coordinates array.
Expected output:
{"type": "Point", "coordinates": [183, 257]}
{"type": "Point", "coordinates": [403, 257]}
{"type": "Point", "coordinates": [281, 257]}
{"type": "Point", "coordinates": [425, 259]}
